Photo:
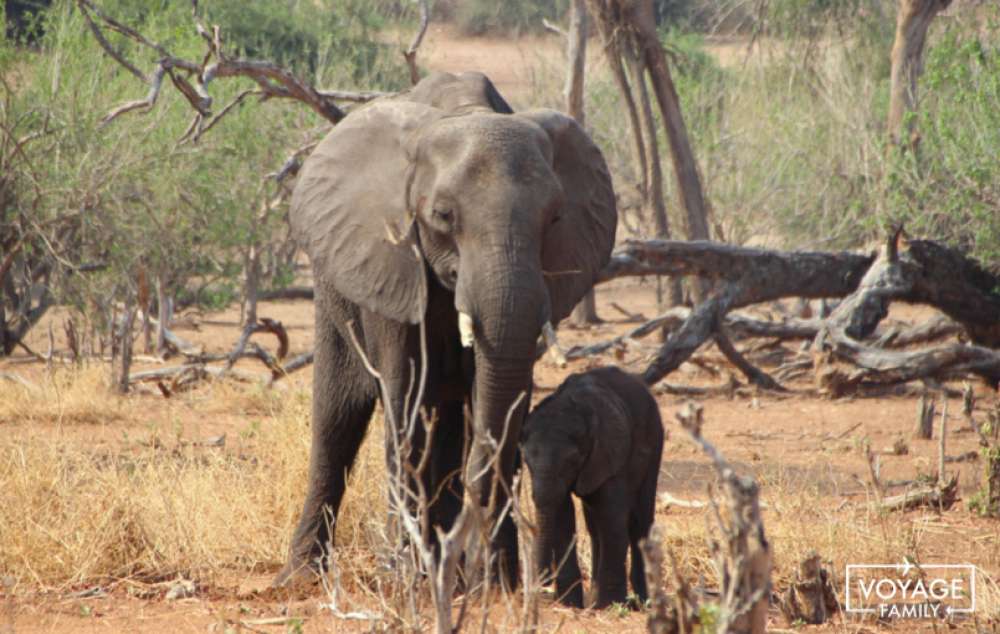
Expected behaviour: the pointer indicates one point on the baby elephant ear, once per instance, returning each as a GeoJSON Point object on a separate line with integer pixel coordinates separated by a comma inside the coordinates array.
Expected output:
{"type": "Point", "coordinates": [578, 243]}
{"type": "Point", "coordinates": [349, 211]}
{"type": "Point", "coordinates": [611, 435]}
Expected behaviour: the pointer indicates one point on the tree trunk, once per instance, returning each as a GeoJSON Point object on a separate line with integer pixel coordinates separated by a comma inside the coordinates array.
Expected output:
{"type": "Point", "coordinates": [912, 21]}
{"type": "Point", "coordinates": [611, 37]}
{"type": "Point", "coordinates": [654, 173]}
{"type": "Point", "coordinates": [165, 313]}
{"type": "Point", "coordinates": [251, 285]}
{"type": "Point", "coordinates": [689, 188]}
{"type": "Point", "coordinates": [654, 201]}
{"type": "Point", "coordinates": [576, 57]}
{"type": "Point", "coordinates": [121, 356]}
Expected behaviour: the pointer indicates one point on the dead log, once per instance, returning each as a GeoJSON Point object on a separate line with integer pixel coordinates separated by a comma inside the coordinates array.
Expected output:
{"type": "Point", "coordinates": [875, 366]}
{"type": "Point", "coordinates": [923, 272]}
{"type": "Point", "coordinates": [918, 271]}
{"type": "Point", "coordinates": [937, 327]}
{"type": "Point", "coordinates": [766, 275]}
{"type": "Point", "coordinates": [688, 338]}
{"type": "Point", "coordinates": [937, 495]}
{"type": "Point", "coordinates": [753, 374]}
{"type": "Point", "coordinates": [264, 324]}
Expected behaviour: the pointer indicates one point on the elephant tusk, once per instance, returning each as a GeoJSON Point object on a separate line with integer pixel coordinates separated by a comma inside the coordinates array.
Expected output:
{"type": "Point", "coordinates": [465, 330]}
{"type": "Point", "coordinates": [552, 343]}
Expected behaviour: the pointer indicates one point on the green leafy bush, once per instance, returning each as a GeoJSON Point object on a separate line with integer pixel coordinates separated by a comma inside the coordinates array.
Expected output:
{"type": "Point", "coordinates": [475, 17]}
{"type": "Point", "coordinates": [950, 188]}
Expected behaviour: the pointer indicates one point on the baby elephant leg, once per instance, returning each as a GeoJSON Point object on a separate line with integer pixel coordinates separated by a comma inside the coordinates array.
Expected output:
{"type": "Point", "coordinates": [640, 522]}
{"type": "Point", "coordinates": [610, 584]}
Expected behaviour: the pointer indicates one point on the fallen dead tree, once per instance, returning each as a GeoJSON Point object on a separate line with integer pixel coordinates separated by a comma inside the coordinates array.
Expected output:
{"type": "Point", "coordinates": [925, 272]}
{"type": "Point", "coordinates": [198, 368]}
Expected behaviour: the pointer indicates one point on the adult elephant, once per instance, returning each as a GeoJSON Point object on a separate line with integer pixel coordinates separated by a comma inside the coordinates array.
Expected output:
{"type": "Point", "coordinates": [441, 206]}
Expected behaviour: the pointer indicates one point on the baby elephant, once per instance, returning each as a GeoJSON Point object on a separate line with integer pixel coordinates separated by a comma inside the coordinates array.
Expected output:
{"type": "Point", "coordinates": [598, 436]}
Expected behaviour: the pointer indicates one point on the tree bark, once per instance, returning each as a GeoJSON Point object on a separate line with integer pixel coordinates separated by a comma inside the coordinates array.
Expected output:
{"type": "Point", "coordinates": [689, 188]}
{"type": "Point", "coordinates": [611, 37]}
{"type": "Point", "coordinates": [251, 284]}
{"type": "Point", "coordinates": [164, 315]}
{"type": "Point", "coordinates": [912, 21]}
{"type": "Point", "coordinates": [121, 362]}
{"type": "Point", "coordinates": [576, 56]}
{"type": "Point", "coordinates": [654, 172]}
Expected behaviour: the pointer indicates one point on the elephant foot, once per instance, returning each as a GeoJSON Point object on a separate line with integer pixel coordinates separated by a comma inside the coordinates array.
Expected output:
{"type": "Point", "coordinates": [573, 597]}
{"type": "Point", "coordinates": [296, 572]}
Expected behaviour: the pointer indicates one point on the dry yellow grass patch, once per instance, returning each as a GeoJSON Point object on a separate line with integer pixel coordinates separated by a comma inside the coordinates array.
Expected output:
{"type": "Point", "coordinates": [66, 396]}
{"type": "Point", "coordinates": [155, 504]}
{"type": "Point", "coordinates": [75, 513]}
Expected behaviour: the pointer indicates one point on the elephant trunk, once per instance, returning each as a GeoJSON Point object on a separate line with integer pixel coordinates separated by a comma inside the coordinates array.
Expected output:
{"type": "Point", "coordinates": [506, 301]}
{"type": "Point", "coordinates": [556, 550]}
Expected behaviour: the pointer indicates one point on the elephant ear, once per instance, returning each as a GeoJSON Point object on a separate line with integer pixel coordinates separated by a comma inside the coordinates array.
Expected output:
{"type": "Point", "coordinates": [612, 441]}
{"type": "Point", "coordinates": [458, 93]}
{"type": "Point", "coordinates": [578, 243]}
{"type": "Point", "coordinates": [349, 211]}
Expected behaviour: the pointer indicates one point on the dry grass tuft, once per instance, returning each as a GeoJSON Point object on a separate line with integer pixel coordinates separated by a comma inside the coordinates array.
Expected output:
{"type": "Point", "coordinates": [76, 513]}
{"type": "Point", "coordinates": [67, 396]}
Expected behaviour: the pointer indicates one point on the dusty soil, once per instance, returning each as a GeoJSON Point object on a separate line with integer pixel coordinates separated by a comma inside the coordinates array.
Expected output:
{"type": "Point", "coordinates": [804, 450]}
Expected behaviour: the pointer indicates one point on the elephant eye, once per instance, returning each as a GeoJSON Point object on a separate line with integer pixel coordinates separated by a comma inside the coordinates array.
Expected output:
{"type": "Point", "coordinates": [444, 216]}
{"type": "Point", "coordinates": [555, 218]}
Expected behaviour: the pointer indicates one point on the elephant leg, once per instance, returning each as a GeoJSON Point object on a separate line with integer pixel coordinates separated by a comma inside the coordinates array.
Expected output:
{"type": "Point", "coordinates": [611, 523]}
{"type": "Point", "coordinates": [590, 516]}
{"type": "Point", "coordinates": [640, 521]}
{"type": "Point", "coordinates": [445, 467]}
{"type": "Point", "coordinates": [560, 551]}
{"type": "Point", "coordinates": [344, 398]}
{"type": "Point", "coordinates": [395, 351]}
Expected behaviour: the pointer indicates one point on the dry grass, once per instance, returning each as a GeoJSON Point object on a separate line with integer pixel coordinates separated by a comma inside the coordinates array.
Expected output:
{"type": "Point", "coordinates": [76, 512]}
{"type": "Point", "coordinates": [145, 502]}
{"type": "Point", "coordinates": [67, 396]}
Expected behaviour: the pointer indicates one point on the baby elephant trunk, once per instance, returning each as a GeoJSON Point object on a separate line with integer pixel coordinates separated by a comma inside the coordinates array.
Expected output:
{"type": "Point", "coordinates": [556, 549]}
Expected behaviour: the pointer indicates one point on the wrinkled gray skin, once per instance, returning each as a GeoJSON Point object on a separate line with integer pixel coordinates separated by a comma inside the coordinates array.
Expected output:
{"type": "Point", "coordinates": [599, 436]}
{"type": "Point", "coordinates": [418, 207]}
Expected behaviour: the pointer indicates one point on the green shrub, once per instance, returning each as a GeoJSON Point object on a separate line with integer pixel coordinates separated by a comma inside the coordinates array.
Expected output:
{"type": "Point", "coordinates": [476, 17]}
{"type": "Point", "coordinates": [950, 188]}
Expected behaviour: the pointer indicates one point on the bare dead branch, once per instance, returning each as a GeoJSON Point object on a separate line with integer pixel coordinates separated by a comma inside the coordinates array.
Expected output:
{"type": "Point", "coordinates": [156, 82]}
{"type": "Point", "coordinates": [272, 79]}
{"type": "Point", "coordinates": [744, 556]}
{"type": "Point", "coordinates": [202, 129]}
{"type": "Point", "coordinates": [410, 55]}
{"type": "Point", "coordinates": [553, 28]}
